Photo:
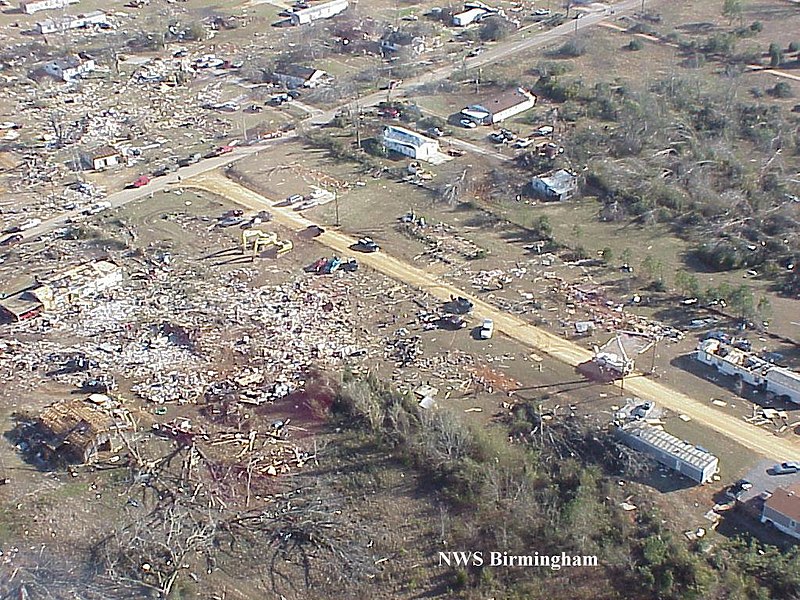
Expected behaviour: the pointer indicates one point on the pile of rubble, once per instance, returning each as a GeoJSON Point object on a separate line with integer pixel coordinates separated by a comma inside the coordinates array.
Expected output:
{"type": "Point", "coordinates": [166, 341]}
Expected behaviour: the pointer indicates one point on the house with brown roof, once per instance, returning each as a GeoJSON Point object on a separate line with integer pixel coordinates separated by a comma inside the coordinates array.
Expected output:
{"type": "Point", "coordinates": [782, 509]}
{"type": "Point", "coordinates": [104, 157]}
{"type": "Point", "coordinates": [500, 107]}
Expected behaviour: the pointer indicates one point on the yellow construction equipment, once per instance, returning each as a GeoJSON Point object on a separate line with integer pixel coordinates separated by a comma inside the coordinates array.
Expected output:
{"type": "Point", "coordinates": [259, 240]}
{"type": "Point", "coordinates": [284, 246]}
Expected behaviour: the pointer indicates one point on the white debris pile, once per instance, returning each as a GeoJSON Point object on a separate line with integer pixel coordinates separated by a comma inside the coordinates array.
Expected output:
{"type": "Point", "coordinates": [171, 339]}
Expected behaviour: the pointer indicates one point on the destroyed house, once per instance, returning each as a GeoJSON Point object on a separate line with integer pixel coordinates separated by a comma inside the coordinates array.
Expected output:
{"type": "Point", "coordinates": [409, 143]}
{"type": "Point", "coordinates": [82, 281]}
{"type": "Point", "coordinates": [396, 40]}
{"type": "Point", "coordinates": [691, 461]}
{"type": "Point", "coordinates": [76, 430]}
{"type": "Point", "coordinates": [318, 11]}
{"type": "Point", "coordinates": [782, 509]}
{"type": "Point", "coordinates": [557, 186]}
{"type": "Point", "coordinates": [295, 76]}
{"type": "Point", "coordinates": [20, 307]}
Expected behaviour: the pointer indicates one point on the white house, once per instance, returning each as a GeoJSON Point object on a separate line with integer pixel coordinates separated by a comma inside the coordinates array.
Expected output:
{"type": "Point", "coordinates": [561, 185]}
{"type": "Point", "coordinates": [409, 143]}
{"type": "Point", "coordinates": [500, 107]}
{"type": "Point", "coordinates": [469, 16]}
{"type": "Point", "coordinates": [96, 17]}
{"type": "Point", "coordinates": [31, 6]}
{"type": "Point", "coordinates": [295, 76]}
{"type": "Point", "coordinates": [105, 157]}
{"type": "Point", "coordinates": [69, 69]}
{"type": "Point", "coordinates": [319, 11]}
{"type": "Point", "coordinates": [782, 509]}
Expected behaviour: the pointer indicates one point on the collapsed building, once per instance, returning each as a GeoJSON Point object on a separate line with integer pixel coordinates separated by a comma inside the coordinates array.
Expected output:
{"type": "Point", "coordinates": [61, 289]}
{"type": "Point", "coordinates": [76, 430]}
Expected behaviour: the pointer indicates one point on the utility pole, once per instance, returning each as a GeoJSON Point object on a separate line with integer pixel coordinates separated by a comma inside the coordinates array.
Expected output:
{"type": "Point", "coordinates": [336, 207]}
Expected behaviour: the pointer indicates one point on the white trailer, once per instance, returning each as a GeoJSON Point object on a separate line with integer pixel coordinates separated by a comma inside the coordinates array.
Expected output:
{"type": "Point", "coordinates": [784, 383]}
{"type": "Point", "coordinates": [753, 370]}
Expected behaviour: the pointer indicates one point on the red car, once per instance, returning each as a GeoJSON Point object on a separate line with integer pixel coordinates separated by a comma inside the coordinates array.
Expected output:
{"type": "Point", "coordinates": [140, 181]}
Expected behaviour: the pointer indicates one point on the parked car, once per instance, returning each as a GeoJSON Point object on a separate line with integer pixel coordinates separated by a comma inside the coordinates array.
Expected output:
{"type": "Point", "coordinates": [11, 240]}
{"type": "Point", "coordinates": [190, 160]}
{"type": "Point", "coordinates": [140, 181]}
{"type": "Point", "coordinates": [468, 124]}
{"type": "Point", "coordinates": [735, 491]}
{"type": "Point", "coordinates": [97, 207]}
{"type": "Point", "coordinates": [541, 12]}
{"type": "Point", "coordinates": [544, 130]}
{"type": "Point", "coordinates": [350, 265]}
{"type": "Point", "coordinates": [487, 329]}
{"type": "Point", "coordinates": [785, 468]}
{"type": "Point", "coordinates": [475, 52]}
{"type": "Point", "coordinates": [435, 132]}
{"type": "Point", "coordinates": [366, 244]}
{"type": "Point", "coordinates": [460, 305]}
{"type": "Point", "coordinates": [165, 170]}
{"type": "Point", "coordinates": [522, 143]}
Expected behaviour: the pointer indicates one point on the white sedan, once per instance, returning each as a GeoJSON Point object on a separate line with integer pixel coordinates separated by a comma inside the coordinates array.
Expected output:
{"type": "Point", "coordinates": [487, 329]}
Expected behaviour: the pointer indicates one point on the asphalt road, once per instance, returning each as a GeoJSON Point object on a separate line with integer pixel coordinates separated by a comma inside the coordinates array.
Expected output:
{"type": "Point", "coordinates": [750, 436]}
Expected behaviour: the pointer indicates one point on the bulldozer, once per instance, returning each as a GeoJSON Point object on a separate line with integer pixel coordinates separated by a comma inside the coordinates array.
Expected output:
{"type": "Point", "coordinates": [260, 240]}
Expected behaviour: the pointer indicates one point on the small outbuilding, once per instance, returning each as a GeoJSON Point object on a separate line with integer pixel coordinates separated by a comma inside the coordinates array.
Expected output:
{"type": "Point", "coordinates": [77, 430]}
{"type": "Point", "coordinates": [104, 157]}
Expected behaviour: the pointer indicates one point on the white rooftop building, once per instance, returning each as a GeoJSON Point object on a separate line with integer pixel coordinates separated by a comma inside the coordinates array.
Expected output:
{"type": "Point", "coordinates": [409, 143]}
{"type": "Point", "coordinates": [694, 462]}
{"type": "Point", "coordinates": [31, 6]}
{"type": "Point", "coordinates": [319, 11]}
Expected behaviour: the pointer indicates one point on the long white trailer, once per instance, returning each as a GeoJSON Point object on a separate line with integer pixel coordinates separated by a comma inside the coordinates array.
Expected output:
{"type": "Point", "coordinates": [782, 382]}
